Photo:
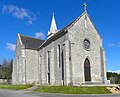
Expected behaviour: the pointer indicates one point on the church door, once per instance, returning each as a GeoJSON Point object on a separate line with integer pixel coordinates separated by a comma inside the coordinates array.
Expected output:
{"type": "Point", "coordinates": [87, 72]}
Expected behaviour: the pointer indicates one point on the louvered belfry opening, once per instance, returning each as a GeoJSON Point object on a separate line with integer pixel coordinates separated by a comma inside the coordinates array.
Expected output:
{"type": "Point", "coordinates": [87, 70]}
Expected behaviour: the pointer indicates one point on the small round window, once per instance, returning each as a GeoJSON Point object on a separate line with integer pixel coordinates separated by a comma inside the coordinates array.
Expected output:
{"type": "Point", "coordinates": [86, 44]}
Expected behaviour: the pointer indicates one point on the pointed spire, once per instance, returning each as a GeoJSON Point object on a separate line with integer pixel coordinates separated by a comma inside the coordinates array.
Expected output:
{"type": "Point", "coordinates": [85, 5]}
{"type": "Point", "coordinates": [53, 24]}
{"type": "Point", "coordinates": [53, 27]}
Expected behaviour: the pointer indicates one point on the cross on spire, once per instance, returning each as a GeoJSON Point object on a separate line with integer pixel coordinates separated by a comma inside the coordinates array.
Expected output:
{"type": "Point", "coordinates": [85, 5]}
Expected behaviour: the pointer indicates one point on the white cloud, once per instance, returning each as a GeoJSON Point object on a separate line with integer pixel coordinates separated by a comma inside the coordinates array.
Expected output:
{"type": "Point", "coordinates": [114, 44]}
{"type": "Point", "coordinates": [40, 35]}
{"type": "Point", "coordinates": [117, 71]}
{"type": "Point", "coordinates": [19, 13]}
{"type": "Point", "coordinates": [11, 46]}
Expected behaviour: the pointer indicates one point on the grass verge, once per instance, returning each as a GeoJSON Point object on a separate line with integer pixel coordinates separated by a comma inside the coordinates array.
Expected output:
{"type": "Point", "coordinates": [15, 87]}
{"type": "Point", "coordinates": [73, 90]}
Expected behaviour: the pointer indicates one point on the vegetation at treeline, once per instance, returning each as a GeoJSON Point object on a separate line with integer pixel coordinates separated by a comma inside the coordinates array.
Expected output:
{"type": "Point", "coordinates": [6, 70]}
{"type": "Point", "coordinates": [73, 90]}
{"type": "Point", "coordinates": [113, 77]}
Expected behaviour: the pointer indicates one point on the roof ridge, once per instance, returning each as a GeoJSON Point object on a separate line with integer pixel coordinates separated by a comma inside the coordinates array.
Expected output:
{"type": "Point", "coordinates": [30, 42]}
{"type": "Point", "coordinates": [30, 37]}
{"type": "Point", "coordinates": [71, 23]}
{"type": "Point", "coordinates": [76, 19]}
{"type": "Point", "coordinates": [64, 28]}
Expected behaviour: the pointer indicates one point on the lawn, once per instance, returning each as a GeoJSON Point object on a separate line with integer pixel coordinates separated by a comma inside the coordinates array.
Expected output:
{"type": "Point", "coordinates": [15, 87]}
{"type": "Point", "coordinates": [73, 90]}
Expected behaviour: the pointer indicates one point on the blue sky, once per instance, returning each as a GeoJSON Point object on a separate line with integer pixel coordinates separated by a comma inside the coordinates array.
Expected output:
{"type": "Point", "coordinates": [33, 18]}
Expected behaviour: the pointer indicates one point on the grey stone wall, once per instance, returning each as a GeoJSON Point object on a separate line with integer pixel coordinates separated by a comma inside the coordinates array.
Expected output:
{"type": "Point", "coordinates": [31, 66]}
{"type": "Point", "coordinates": [77, 33]}
{"type": "Point", "coordinates": [17, 65]}
{"type": "Point", "coordinates": [25, 67]}
{"type": "Point", "coordinates": [55, 70]}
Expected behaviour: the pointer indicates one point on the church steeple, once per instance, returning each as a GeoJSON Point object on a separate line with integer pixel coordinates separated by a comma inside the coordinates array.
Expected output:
{"type": "Point", "coordinates": [53, 27]}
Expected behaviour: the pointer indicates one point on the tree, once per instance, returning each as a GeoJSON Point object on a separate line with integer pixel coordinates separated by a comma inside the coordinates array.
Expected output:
{"type": "Point", "coordinates": [6, 69]}
{"type": "Point", "coordinates": [113, 77]}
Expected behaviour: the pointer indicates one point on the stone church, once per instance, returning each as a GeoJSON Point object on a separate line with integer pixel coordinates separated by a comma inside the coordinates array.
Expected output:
{"type": "Point", "coordinates": [73, 55]}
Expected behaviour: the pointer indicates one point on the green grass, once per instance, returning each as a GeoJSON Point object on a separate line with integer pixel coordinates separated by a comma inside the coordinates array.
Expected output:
{"type": "Point", "coordinates": [73, 90]}
{"type": "Point", "coordinates": [15, 87]}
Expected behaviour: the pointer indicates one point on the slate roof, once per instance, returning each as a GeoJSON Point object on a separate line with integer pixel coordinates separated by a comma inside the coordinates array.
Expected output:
{"type": "Point", "coordinates": [31, 43]}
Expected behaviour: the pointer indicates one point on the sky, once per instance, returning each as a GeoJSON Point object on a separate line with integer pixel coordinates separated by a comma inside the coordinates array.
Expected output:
{"type": "Point", "coordinates": [33, 18]}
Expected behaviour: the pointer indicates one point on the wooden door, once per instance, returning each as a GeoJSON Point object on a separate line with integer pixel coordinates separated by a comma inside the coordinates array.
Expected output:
{"type": "Point", "coordinates": [87, 71]}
